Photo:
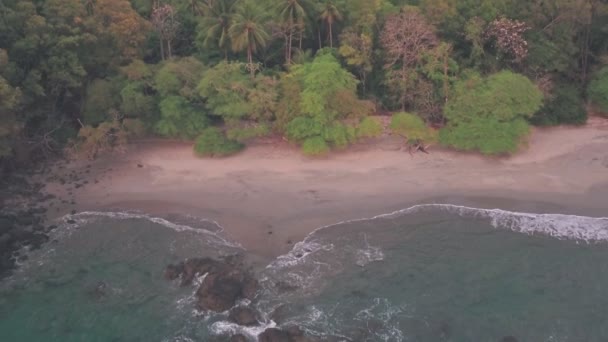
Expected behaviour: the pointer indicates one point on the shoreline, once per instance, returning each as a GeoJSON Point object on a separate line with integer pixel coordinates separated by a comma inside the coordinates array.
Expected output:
{"type": "Point", "coordinates": [269, 197]}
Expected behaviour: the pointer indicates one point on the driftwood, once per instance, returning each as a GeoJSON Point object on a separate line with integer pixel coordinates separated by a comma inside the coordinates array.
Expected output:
{"type": "Point", "coordinates": [415, 145]}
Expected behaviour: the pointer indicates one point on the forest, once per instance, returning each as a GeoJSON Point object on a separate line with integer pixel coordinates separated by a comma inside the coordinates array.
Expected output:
{"type": "Point", "coordinates": [85, 76]}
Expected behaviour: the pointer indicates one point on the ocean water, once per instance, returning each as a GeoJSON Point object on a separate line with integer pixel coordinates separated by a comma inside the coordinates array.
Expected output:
{"type": "Point", "coordinates": [426, 273]}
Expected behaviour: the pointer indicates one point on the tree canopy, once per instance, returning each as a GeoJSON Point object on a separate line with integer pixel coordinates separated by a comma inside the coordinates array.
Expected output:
{"type": "Point", "coordinates": [308, 70]}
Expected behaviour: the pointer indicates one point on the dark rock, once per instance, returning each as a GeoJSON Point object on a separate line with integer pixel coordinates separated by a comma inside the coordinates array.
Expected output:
{"type": "Point", "coordinates": [225, 282]}
{"type": "Point", "coordinates": [140, 165]}
{"type": "Point", "coordinates": [238, 338]}
{"type": "Point", "coordinates": [508, 339]}
{"type": "Point", "coordinates": [25, 219]}
{"type": "Point", "coordinates": [243, 316]}
{"type": "Point", "coordinates": [220, 291]}
{"type": "Point", "coordinates": [6, 224]}
{"type": "Point", "coordinates": [73, 212]}
{"type": "Point", "coordinates": [274, 335]}
{"type": "Point", "coordinates": [71, 221]}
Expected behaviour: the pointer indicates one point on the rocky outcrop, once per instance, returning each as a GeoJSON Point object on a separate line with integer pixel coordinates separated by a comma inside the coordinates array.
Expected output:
{"type": "Point", "coordinates": [225, 282]}
{"type": "Point", "coordinates": [289, 334]}
{"type": "Point", "coordinates": [243, 316]}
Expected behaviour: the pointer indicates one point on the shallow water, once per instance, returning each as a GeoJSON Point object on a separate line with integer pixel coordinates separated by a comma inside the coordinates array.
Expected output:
{"type": "Point", "coordinates": [428, 273]}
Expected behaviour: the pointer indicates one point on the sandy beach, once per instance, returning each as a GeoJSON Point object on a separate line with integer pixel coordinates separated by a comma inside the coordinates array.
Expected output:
{"type": "Point", "coordinates": [270, 196]}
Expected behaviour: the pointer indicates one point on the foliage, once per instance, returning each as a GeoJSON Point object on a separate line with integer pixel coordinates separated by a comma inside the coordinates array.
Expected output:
{"type": "Point", "coordinates": [225, 88]}
{"type": "Point", "coordinates": [369, 127]}
{"type": "Point", "coordinates": [315, 146]}
{"type": "Point", "coordinates": [101, 97]}
{"type": "Point", "coordinates": [564, 105]}
{"type": "Point", "coordinates": [213, 143]}
{"type": "Point", "coordinates": [489, 115]}
{"type": "Point", "coordinates": [107, 136]}
{"type": "Point", "coordinates": [412, 127]}
{"type": "Point", "coordinates": [242, 134]}
{"type": "Point", "coordinates": [598, 90]}
{"type": "Point", "coordinates": [180, 119]}
{"type": "Point", "coordinates": [179, 77]}
{"type": "Point", "coordinates": [486, 135]}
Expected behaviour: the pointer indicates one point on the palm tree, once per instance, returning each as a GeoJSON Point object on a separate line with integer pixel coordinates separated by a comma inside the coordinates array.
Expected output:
{"type": "Point", "coordinates": [215, 23]}
{"type": "Point", "coordinates": [330, 14]}
{"type": "Point", "coordinates": [247, 31]}
{"type": "Point", "coordinates": [292, 14]}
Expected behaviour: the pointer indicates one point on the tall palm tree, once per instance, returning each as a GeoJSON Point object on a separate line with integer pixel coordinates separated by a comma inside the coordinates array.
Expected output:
{"type": "Point", "coordinates": [247, 31]}
{"type": "Point", "coordinates": [330, 14]}
{"type": "Point", "coordinates": [216, 22]}
{"type": "Point", "coordinates": [292, 15]}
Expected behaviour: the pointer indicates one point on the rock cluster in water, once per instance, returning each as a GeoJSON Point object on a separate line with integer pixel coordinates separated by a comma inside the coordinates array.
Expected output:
{"type": "Point", "coordinates": [225, 281]}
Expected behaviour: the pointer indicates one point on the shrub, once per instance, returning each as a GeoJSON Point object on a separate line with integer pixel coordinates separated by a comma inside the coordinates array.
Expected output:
{"type": "Point", "coordinates": [489, 115]}
{"type": "Point", "coordinates": [213, 143]}
{"type": "Point", "coordinates": [303, 127]}
{"type": "Point", "coordinates": [100, 98]}
{"type": "Point", "coordinates": [369, 128]}
{"type": "Point", "coordinates": [339, 135]}
{"type": "Point", "coordinates": [412, 127]}
{"type": "Point", "coordinates": [246, 133]}
{"type": "Point", "coordinates": [315, 146]}
{"type": "Point", "coordinates": [180, 119]}
{"type": "Point", "coordinates": [598, 90]}
{"type": "Point", "coordinates": [486, 135]}
{"type": "Point", "coordinates": [564, 106]}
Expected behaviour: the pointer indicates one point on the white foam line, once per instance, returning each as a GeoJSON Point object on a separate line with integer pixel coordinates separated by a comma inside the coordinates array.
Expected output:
{"type": "Point", "coordinates": [561, 226]}
{"type": "Point", "coordinates": [160, 221]}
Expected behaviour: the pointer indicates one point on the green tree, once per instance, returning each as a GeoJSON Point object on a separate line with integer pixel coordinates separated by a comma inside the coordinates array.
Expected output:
{"type": "Point", "coordinates": [213, 28]}
{"type": "Point", "coordinates": [101, 98]}
{"type": "Point", "coordinates": [490, 115]}
{"type": "Point", "coordinates": [225, 88]}
{"type": "Point", "coordinates": [598, 90]}
{"type": "Point", "coordinates": [180, 119]}
{"type": "Point", "coordinates": [247, 31]}
{"type": "Point", "coordinates": [563, 105]}
{"type": "Point", "coordinates": [330, 14]}
{"type": "Point", "coordinates": [292, 17]}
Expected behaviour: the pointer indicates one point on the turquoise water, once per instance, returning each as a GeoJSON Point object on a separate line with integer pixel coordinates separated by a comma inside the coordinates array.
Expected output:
{"type": "Point", "coordinates": [429, 273]}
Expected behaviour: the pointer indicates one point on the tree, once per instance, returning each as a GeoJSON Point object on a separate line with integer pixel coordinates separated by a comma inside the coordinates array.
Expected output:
{"type": "Point", "coordinates": [225, 88]}
{"type": "Point", "coordinates": [489, 115]}
{"type": "Point", "coordinates": [292, 17]}
{"type": "Point", "coordinates": [247, 31]}
{"type": "Point", "coordinates": [214, 26]}
{"type": "Point", "coordinates": [330, 14]}
{"type": "Point", "coordinates": [406, 37]}
{"type": "Point", "coordinates": [598, 90]}
{"type": "Point", "coordinates": [166, 24]}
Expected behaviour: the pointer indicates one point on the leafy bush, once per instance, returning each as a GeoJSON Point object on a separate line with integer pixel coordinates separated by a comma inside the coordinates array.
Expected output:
{"type": "Point", "coordinates": [315, 146]}
{"type": "Point", "coordinates": [179, 77]}
{"type": "Point", "coordinates": [180, 119]}
{"type": "Point", "coordinates": [213, 143]}
{"type": "Point", "coordinates": [564, 106]}
{"type": "Point", "coordinates": [598, 89]}
{"type": "Point", "coordinates": [412, 127]}
{"type": "Point", "coordinates": [226, 88]}
{"type": "Point", "coordinates": [303, 127]}
{"type": "Point", "coordinates": [486, 135]}
{"type": "Point", "coordinates": [100, 98]}
{"type": "Point", "coordinates": [135, 102]}
{"type": "Point", "coordinates": [246, 133]}
{"type": "Point", "coordinates": [369, 128]}
{"type": "Point", "coordinates": [489, 115]}
{"type": "Point", "coordinates": [339, 135]}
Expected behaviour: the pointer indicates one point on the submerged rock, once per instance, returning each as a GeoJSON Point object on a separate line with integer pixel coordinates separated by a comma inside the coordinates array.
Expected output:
{"type": "Point", "coordinates": [509, 339]}
{"type": "Point", "coordinates": [243, 316]}
{"type": "Point", "coordinates": [274, 335]}
{"type": "Point", "coordinates": [238, 338]}
{"type": "Point", "coordinates": [225, 282]}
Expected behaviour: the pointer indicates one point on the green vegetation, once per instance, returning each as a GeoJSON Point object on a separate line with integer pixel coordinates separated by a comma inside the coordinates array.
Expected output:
{"type": "Point", "coordinates": [489, 114]}
{"type": "Point", "coordinates": [369, 128]}
{"type": "Point", "coordinates": [213, 143]}
{"type": "Point", "coordinates": [564, 105]}
{"type": "Point", "coordinates": [311, 71]}
{"type": "Point", "coordinates": [598, 90]}
{"type": "Point", "coordinates": [412, 127]}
